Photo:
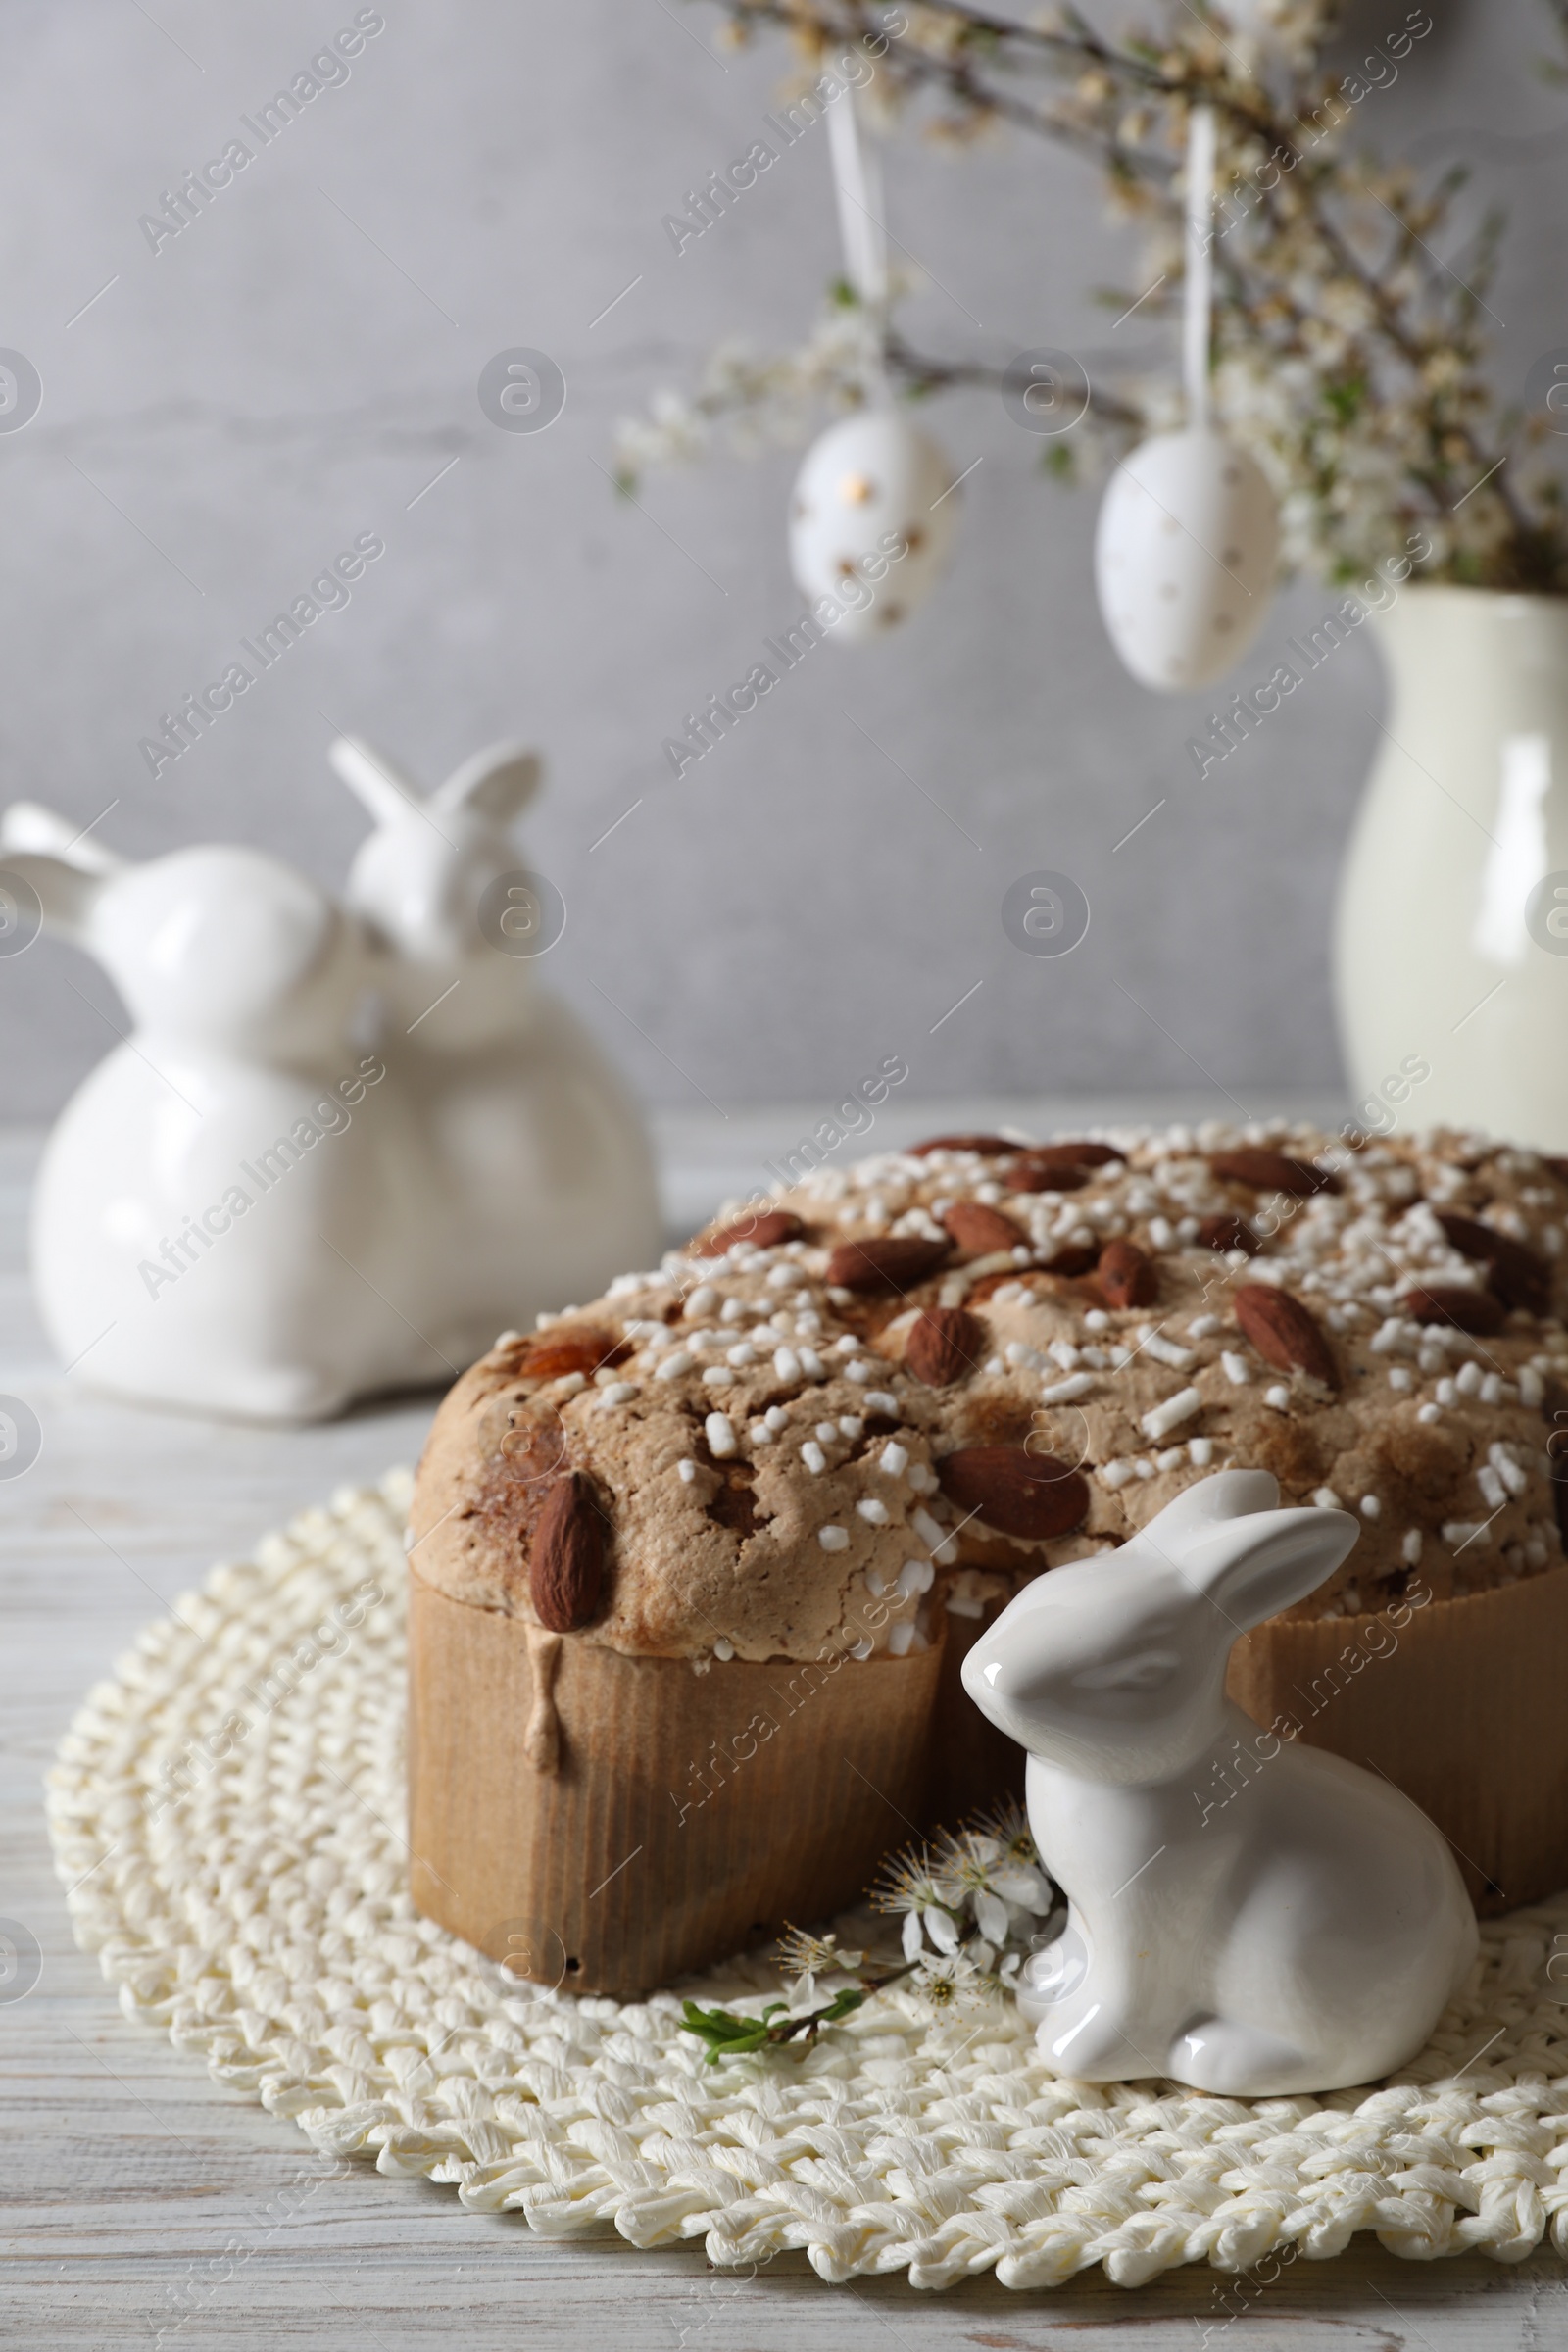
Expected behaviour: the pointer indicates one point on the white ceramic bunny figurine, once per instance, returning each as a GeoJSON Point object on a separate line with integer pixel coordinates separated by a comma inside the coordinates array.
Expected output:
{"type": "Point", "coordinates": [1304, 1932]}
{"type": "Point", "coordinates": [216, 1220]}
{"type": "Point", "coordinates": [341, 1147]}
{"type": "Point", "coordinates": [537, 1153]}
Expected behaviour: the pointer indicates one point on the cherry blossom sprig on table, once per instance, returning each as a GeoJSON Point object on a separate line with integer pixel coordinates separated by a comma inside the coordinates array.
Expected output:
{"type": "Point", "coordinates": [1347, 357]}
{"type": "Point", "coordinates": [973, 1903]}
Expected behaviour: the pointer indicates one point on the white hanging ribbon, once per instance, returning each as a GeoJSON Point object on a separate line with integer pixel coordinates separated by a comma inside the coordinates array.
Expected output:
{"type": "Point", "coordinates": [858, 189]}
{"type": "Point", "coordinates": [1199, 263]}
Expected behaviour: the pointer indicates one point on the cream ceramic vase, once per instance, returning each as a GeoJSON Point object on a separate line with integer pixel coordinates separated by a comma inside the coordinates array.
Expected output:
{"type": "Point", "coordinates": [1452, 947]}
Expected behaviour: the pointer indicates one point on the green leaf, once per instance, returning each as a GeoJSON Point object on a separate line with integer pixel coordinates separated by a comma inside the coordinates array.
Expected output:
{"type": "Point", "coordinates": [844, 294]}
{"type": "Point", "coordinates": [727, 2034]}
{"type": "Point", "coordinates": [731, 2037]}
{"type": "Point", "coordinates": [1347, 400]}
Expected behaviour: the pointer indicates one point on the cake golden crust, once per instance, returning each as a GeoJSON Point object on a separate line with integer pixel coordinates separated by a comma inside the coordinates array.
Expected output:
{"type": "Point", "coordinates": [791, 1542]}
{"type": "Point", "coordinates": [1380, 1328]}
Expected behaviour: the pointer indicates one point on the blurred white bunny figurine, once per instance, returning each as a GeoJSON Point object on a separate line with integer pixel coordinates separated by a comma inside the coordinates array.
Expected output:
{"type": "Point", "coordinates": [1250, 1916]}
{"type": "Point", "coordinates": [341, 1146]}
{"type": "Point", "coordinates": [216, 1220]}
{"type": "Point", "coordinates": [543, 1185]}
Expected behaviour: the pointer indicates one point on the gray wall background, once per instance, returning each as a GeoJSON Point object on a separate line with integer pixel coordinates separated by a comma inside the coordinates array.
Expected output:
{"type": "Point", "coordinates": [227, 414]}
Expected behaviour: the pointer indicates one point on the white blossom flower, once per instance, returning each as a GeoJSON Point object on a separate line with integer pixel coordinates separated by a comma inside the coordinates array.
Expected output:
{"type": "Point", "coordinates": [938, 1925]}
{"type": "Point", "coordinates": [806, 1957]}
{"type": "Point", "coordinates": [991, 1912]}
{"type": "Point", "coordinates": [947, 1981]}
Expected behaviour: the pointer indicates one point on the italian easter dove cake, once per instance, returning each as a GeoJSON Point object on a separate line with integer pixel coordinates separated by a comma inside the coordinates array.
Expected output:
{"type": "Point", "coordinates": [694, 1568]}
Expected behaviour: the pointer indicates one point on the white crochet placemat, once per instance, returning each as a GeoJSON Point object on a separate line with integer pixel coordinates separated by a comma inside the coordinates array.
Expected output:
{"type": "Point", "coordinates": [228, 1811]}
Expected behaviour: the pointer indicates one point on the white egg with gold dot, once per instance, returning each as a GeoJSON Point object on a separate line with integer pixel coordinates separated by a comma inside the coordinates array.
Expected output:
{"type": "Point", "coordinates": [872, 519]}
{"type": "Point", "coordinates": [1185, 554]}
{"type": "Point", "coordinates": [1259, 18]}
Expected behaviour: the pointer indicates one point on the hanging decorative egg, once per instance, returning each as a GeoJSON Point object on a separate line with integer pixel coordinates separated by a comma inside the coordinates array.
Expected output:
{"type": "Point", "coordinates": [870, 487]}
{"type": "Point", "coordinates": [1257, 18]}
{"type": "Point", "coordinates": [1185, 554]}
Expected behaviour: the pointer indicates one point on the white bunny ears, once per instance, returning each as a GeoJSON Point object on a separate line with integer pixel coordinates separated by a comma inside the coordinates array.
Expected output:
{"type": "Point", "coordinates": [1227, 1539]}
{"type": "Point", "coordinates": [66, 868]}
{"type": "Point", "coordinates": [28, 827]}
{"type": "Point", "coordinates": [58, 863]}
{"type": "Point", "coordinates": [495, 785]}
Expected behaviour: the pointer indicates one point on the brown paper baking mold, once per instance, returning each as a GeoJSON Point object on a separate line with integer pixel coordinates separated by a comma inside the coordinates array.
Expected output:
{"type": "Point", "coordinates": [607, 1823]}
{"type": "Point", "coordinates": [1463, 1705]}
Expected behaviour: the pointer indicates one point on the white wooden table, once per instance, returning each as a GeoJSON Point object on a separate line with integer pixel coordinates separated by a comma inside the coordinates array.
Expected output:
{"type": "Point", "coordinates": [125, 2175]}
